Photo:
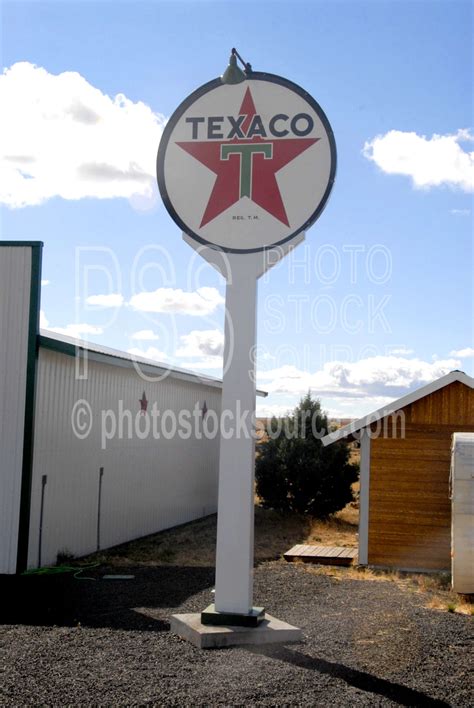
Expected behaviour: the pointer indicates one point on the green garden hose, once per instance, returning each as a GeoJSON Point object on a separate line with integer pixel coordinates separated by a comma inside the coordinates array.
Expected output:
{"type": "Point", "coordinates": [58, 569]}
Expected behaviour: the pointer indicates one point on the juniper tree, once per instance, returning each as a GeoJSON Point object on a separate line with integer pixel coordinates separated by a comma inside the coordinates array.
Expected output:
{"type": "Point", "coordinates": [295, 472]}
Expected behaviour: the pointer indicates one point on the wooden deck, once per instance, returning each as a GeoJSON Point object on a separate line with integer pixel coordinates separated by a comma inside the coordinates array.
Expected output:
{"type": "Point", "coordinates": [325, 555]}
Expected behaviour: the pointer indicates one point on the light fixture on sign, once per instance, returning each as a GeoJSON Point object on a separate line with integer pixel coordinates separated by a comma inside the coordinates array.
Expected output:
{"type": "Point", "coordinates": [233, 74]}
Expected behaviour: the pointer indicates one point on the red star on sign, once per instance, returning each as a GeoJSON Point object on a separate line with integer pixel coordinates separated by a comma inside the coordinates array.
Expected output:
{"type": "Point", "coordinates": [143, 403]}
{"type": "Point", "coordinates": [246, 171]}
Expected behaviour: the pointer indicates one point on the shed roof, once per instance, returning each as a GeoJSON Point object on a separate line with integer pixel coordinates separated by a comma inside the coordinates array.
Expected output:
{"type": "Point", "coordinates": [398, 404]}
{"type": "Point", "coordinates": [96, 352]}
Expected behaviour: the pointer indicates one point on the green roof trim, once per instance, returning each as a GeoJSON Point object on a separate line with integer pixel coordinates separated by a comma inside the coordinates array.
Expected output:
{"type": "Point", "coordinates": [14, 244]}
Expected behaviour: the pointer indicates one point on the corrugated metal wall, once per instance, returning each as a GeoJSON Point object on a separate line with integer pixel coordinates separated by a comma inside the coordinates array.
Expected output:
{"type": "Point", "coordinates": [15, 278]}
{"type": "Point", "coordinates": [147, 485]}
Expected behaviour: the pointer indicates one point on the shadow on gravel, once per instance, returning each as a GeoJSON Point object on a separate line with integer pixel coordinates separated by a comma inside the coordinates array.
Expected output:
{"type": "Point", "coordinates": [64, 600]}
{"type": "Point", "coordinates": [359, 679]}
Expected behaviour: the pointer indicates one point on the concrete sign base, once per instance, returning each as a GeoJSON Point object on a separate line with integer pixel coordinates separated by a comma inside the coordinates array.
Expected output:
{"type": "Point", "coordinates": [269, 631]}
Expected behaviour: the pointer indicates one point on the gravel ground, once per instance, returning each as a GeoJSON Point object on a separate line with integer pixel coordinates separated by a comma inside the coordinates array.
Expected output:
{"type": "Point", "coordinates": [366, 643]}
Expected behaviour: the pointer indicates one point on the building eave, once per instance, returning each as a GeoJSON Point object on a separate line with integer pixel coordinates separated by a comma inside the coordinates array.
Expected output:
{"type": "Point", "coordinates": [115, 357]}
{"type": "Point", "coordinates": [397, 405]}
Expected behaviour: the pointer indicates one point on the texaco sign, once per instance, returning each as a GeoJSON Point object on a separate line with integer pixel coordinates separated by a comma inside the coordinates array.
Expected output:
{"type": "Point", "coordinates": [246, 166]}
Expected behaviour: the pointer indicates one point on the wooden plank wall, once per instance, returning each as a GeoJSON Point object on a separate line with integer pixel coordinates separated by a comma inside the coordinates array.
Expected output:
{"type": "Point", "coordinates": [410, 509]}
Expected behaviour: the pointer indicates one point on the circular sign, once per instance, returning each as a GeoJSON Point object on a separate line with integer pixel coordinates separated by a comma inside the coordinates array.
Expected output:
{"type": "Point", "coordinates": [246, 166]}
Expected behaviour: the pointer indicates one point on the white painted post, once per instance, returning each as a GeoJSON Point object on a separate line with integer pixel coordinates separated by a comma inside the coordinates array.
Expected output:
{"type": "Point", "coordinates": [364, 496]}
{"type": "Point", "coordinates": [235, 520]}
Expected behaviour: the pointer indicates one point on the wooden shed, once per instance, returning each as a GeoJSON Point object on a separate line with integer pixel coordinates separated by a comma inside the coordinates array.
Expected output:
{"type": "Point", "coordinates": [405, 506]}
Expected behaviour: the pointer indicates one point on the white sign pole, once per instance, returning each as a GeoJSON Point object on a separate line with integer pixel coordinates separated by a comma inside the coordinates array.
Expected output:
{"type": "Point", "coordinates": [235, 519]}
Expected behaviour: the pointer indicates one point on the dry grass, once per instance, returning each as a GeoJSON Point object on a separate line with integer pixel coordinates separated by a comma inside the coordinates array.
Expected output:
{"type": "Point", "coordinates": [451, 604]}
{"type": "Point", "coordinates": [435, 587]}
{"type": "Point", "coordinates": [275, 533]}
{"type": "Point", "coordinates": [188, 545]}
{"type": "Point", "coordinates": [353, 572]}
{"type": "Point", "coordinates": [355, 454]}
{"type": "Point", "coordinates": [339, 530]}
{"type": "Point", "coordinates": [194, 544]}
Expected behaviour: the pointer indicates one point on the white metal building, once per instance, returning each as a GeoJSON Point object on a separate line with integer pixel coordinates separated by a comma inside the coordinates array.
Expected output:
{"type": "Point", "coordinates": [70, 481]}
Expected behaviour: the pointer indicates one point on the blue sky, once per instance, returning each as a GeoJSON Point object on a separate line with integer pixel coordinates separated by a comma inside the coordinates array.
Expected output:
{"type": "Point", "coordinates": [378, 301]}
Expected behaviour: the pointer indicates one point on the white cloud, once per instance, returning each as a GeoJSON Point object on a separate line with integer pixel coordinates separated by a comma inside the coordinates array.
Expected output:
{"type": "Point", "coordinates": [111, 300]}
{"type": "Point", "coordinates": [44, 283]}
{"type": "Point", "coordinates": [344, 408]}
{"type": "Point", "coordinates": [268, 411]}
{"type": "Point", "coordinates": [144, 335]}
{"type": "Point", "coordinates": [430, 162]}
{"type": "Point", "coordinates": [391, 376]}
{"type": "Point", "coordinates": [349, 390]}
{"type": "Point", "coordinates": [149, 353]}
{"type": "Point", "coordinates": [64, 137]}
{"type": "Point", "coordinates": [77, 330]}
{"type": "Point", "coordinates": [206, 346]}
{"type": "Point", "coordinates": [43, 320]}
{"type": "Point", "coordinates": [401, 350]}
{"type": "Point", "coordinates": [463, 353]}
{"type": "Point", "coordinates": [206, 362]}
{"type": "Point", "coordinates": [209, 342]}
{"type": "Point", "coordinates": [461, 212]}
{"type": "Point", "coordinates": [200, 302]}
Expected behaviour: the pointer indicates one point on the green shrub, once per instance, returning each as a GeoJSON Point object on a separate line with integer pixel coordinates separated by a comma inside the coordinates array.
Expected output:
{"type": "Point", "coordinates": [295, 472]}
